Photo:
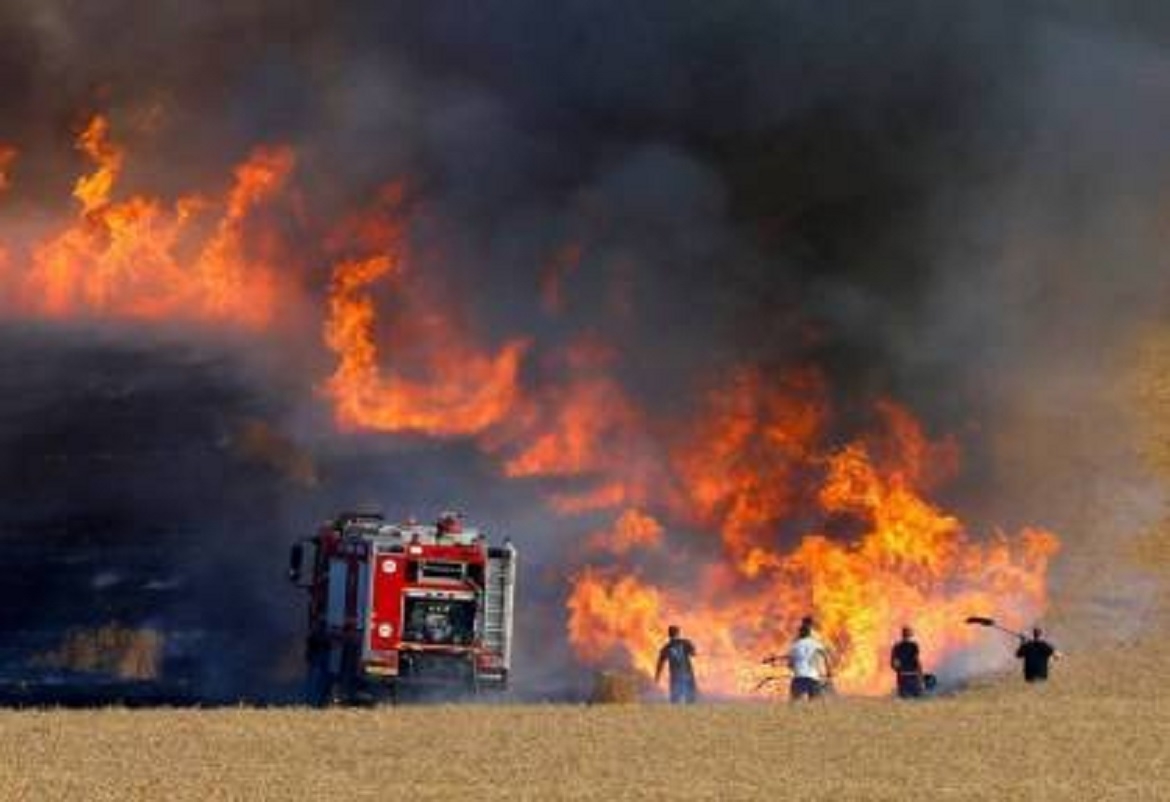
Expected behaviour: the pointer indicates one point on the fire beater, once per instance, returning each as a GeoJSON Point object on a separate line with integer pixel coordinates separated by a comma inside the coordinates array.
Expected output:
{"type": "Point", "coordinates": [398, 607]}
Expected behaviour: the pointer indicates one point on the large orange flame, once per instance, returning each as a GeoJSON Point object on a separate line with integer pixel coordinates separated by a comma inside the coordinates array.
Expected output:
{"type": "Point", "coordinates": [462, 390]}
{"type": "Point", "coordinates": [130, 258]}
{"type": "Point", "coordinates": [742, 471]}
{"type": "Point", "coordinates": [579, 425]}
{"type": "Point", "coordinates": [897, 559]}
{"type": "Point", "coordinates": [571, 427]}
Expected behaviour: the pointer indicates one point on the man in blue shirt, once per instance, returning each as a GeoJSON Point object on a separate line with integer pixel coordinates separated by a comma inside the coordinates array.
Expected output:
{"type": "Point", "coordinates": [677, 654]}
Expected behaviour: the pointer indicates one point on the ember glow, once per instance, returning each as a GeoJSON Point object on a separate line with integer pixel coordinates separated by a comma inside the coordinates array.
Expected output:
{"type": "Point", "coordinates": [8, 156]}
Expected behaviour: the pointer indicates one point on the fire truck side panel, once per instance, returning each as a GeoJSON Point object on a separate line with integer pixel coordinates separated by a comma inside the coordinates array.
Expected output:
{"type": "Point", "coordinates": [385, 629]}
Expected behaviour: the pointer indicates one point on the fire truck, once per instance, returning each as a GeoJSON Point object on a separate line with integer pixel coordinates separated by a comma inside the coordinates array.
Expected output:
{"type": "Point", "coordinates": [396, 608]}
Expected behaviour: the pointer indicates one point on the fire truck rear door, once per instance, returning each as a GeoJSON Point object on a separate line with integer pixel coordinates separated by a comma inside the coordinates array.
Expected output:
{"type": "Point", "coordinates": [385, 604]}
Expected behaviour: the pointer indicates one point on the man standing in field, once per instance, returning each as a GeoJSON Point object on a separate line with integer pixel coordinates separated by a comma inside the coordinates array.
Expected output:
{"type": "Point", "coordinates": [1036, 653]}
{"type": "Point", "coordinates": [826, 643]}
{"type": "Point", "coordinates": [907, 666]}
{"type": "Point", "coordinates": [809, 661]}
{"type": "Point", "coordinates": [677, 654]}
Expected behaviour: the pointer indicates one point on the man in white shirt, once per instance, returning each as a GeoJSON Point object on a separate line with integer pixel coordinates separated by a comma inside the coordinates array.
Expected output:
{"type": "Point", "coordinates": [809, 661]}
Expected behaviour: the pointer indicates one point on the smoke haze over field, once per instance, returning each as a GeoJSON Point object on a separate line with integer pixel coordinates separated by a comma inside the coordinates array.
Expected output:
{"type": "Point", "coordinates": [961, 208]}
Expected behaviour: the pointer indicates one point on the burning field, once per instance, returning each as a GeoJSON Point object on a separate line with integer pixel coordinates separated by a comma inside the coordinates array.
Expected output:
{"type": "Point", "coordinates": [722, 333]}
{"type": "Point", "coordinates": [738, 515]}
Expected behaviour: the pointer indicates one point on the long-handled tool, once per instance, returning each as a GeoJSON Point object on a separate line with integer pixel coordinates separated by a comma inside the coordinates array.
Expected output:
{"type": "Point", "coordinates": [983, 621]}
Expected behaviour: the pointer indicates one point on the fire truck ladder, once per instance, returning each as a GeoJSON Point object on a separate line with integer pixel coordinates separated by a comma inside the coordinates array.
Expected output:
{"type": "Point", "coordinates": [500, 584]}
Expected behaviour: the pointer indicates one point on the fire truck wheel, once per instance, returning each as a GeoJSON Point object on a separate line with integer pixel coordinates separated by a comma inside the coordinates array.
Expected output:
{"type": "Point", "coordinates": [318, 682]}
{"type": "Point", "coordinates": [345, 686]}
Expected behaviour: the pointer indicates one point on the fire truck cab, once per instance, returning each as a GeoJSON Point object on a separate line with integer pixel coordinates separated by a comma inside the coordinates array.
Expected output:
{"type": "Point", "coordinates": [404, 606]}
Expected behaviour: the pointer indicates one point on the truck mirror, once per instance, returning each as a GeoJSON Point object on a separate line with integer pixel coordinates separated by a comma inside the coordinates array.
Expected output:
{"type": "Point", "coordinates": [302, 563]}
{"type": "Point", "coordinates": [295, 555]}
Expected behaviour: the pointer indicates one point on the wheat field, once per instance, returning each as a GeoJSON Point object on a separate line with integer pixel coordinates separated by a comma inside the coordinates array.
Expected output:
{"type": "Point", "coordinates": [1084, 736]}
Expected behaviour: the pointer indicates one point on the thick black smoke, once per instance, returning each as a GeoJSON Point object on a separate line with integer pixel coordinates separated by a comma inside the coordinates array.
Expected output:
{"type": "Point", "coordinates": [956, 205]}
{"type": "Point", "coordinates": [133, 499]}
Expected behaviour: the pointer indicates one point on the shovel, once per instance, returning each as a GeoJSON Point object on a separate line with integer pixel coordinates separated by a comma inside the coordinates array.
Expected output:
{"type": "Point", "coordinates": [983, 621]}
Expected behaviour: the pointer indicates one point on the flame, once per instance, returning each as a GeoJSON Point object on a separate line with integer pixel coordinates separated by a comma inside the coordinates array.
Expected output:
{"type": "Point", "coordinates": [573, 442]}
{"type": "Point", "coordinates": [743, 471]}
{"type": "Point", "coordinates": [735, 519]}
{"type": "Point", "coordinates": [93, 191]}
{"type": "Point", "coordinates": [902, 560]}
{"type": "Point", "coordinates": [633, 530]}
{"type": "Point", "coordinates": [574, 425]}
{"type": "Point", "coordinates": [602, 497]}
{"type": "Point", "coordinates": [463, 390]}
{"type": "Point", "coordinates": [580, 425]}
{"type": "Point", "coordinates": [129, 258]}
{"type": "Point", "coordinates": [8, 155]}
{"type": "Point", "coordinates": [232, 286]}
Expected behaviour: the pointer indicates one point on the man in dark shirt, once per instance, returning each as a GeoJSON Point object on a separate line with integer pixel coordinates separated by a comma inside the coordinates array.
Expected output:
{"type": "Point", "coordinates": [1036, 653]}
{"type": "Point", "coordinates": [677, 653]}
{"type": "Point", "coordinates": [907, 665]}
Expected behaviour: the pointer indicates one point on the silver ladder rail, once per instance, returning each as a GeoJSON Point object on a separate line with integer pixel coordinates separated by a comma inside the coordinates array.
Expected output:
{"type": "Point", "coordinates": [499, 593]}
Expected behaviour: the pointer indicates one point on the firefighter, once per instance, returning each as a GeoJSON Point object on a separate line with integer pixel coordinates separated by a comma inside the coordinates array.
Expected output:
{"type": "Point", "coordinates": [677, 654]}
{"type": "Point", "coordinates": [449, 523]}
{"type": "Point", "coordinates": [907, 665]}
{"type": "Point", "coordinates": [809, 661]}
{"type": "Point", "coordinates": [1036, 653]}
{"type": "Point", "coordinates": [826, 644]}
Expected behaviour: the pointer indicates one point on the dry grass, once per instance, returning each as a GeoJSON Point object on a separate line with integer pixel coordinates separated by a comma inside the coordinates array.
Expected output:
{"type": "Point", "coordinates": [1072, 740]}
{"type": "Point", "coordinates": [113, 650]}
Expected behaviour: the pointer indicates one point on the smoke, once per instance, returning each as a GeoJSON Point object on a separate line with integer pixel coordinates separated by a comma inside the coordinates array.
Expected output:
{"type": "Point", "coordinates": [134, 506]}
{"type": "Point", "coordinates": [958, 208]}
{"type": "Point", "coordinates": [1045, 291]}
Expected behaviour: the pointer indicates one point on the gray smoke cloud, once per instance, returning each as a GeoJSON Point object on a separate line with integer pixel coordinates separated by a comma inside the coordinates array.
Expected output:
{"type": "Point", "coordinates": [1044, 292]}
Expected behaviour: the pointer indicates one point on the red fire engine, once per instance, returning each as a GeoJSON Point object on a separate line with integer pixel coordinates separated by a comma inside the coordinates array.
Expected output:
{"type": "Point", "coordinates": [404, 606]}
